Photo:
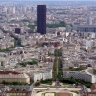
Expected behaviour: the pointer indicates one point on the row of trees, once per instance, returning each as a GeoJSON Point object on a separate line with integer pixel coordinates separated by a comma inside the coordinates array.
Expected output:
{"type": "Point", "coordinates": [57, 53]}
{"type": "Point", "coordinates": [55, 69]}
{"type": "Point", "coordinates": [61, 24]}
{"type": "Point", "coordinates": [60, 71]}
{"type": "Point", "coordinates": [47, 81]}
{"type": "Point", "coordinates": [24, 64]}
{"type": "Point", "coordinates": [75, 81]}
{"type": "Point", "coordinates": [13, 83]}
{"type": "Point", "coordinates": [31, 26]}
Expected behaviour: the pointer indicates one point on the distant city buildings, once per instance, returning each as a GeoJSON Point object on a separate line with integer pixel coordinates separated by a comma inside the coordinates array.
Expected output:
{"type": "Point", "coordinates": [86, 28]}
{"type": "Point", "coordinates": [38, 35]}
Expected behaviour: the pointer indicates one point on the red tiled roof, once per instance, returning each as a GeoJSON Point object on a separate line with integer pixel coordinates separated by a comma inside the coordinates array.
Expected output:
{"type": "Point", "coordinates": [8, 72]}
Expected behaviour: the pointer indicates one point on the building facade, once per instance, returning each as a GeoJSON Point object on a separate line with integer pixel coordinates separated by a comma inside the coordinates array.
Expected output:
{"type": "Point", "coordinates": [80, 75]}
{"type": "Point", "coordinates": [41, 19]}
{"type": "Point", "coordinates": [41, 75]}
{"type": "Point", "coordinates": [86, 28]}
{"type": "Point", "coordinates": [17, 30]}
{"type": "Point", "coordinates": [12, 76]}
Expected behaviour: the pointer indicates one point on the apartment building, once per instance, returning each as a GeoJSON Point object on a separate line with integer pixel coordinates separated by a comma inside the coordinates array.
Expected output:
{"type": "Point", "coordinates": [12, 76]}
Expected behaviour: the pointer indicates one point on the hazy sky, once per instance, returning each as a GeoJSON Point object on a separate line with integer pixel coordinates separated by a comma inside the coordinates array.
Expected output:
{"type": "Point", "coordinates": [59, 0]}
{"type": "Point", "coordinates": [49, 0]}
{"type": "Point", "coordinates": [65, 0]}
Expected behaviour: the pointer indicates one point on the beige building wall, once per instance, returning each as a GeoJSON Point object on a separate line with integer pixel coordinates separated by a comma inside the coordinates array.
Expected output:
{"type": "Point", "coordinates": [22, 78]}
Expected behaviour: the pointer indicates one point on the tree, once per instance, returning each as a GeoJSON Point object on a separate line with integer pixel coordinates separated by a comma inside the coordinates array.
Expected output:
{"type": "Point", "coordinates": [37, 83]}
{"type": "Point", "coordinates": [2, 64]}
{"type": "Point", "coordinates": [61, 24]}
{"type": "Point", "coordinates": [73, 80]}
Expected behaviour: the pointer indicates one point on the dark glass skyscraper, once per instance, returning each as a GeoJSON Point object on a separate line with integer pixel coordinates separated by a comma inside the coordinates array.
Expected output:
{"type": "Point", "coordinates": [17, 30]}
{"type": "Point", "coordinates": [41, 19]}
